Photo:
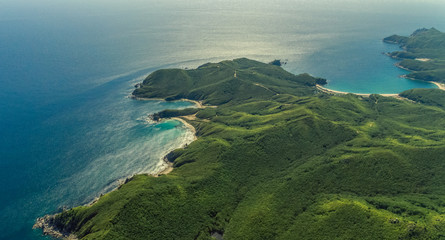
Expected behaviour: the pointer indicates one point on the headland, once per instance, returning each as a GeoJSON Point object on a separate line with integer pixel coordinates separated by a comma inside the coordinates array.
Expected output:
{"type": "Point", "coordinates": [281, 157]}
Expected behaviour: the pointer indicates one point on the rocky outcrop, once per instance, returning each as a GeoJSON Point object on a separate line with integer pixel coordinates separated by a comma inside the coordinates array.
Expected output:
{"type": "Point", "coordinates": [46, 223]}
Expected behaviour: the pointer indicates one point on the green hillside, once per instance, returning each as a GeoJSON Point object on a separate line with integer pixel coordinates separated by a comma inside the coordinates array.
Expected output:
{"type": "Point", "coordinates": [227, 81]}
{"type": "Point", "coordinates": [426, 44]}
{"type": "Point", "coordinates": [278, 160]}
{"type": "Point", "coordinates": [432, 97]}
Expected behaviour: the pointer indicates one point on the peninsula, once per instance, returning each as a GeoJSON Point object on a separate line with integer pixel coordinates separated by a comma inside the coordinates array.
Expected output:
{"type": "Point", "coordinates": [277, 158]}
{"type": "Point", "coordinates": [423, 54]}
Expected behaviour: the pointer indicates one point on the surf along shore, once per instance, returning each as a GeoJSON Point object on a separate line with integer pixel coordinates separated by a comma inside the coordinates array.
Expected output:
{"type": "Point", "coordinates": [169, 165]}
{"type": "Point", "coordinates": [47, 224]}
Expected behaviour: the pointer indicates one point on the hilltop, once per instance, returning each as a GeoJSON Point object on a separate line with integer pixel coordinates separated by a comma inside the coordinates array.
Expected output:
{"type": "Point", "coordinates": [277, 159]}
{"type": "Point", "coordinates": [228, 81]}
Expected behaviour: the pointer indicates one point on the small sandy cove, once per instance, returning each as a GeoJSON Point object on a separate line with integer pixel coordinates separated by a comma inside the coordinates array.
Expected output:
{"type": "Point", "coordinates": [439, 85]}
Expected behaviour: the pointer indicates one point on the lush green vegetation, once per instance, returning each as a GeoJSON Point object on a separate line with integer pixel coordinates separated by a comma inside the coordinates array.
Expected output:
{"type": "Point", "coordinates": [227, 81]}
{"type": "Point", "coordinates": [276, 62]}
{"type": "Point", "coordinates": [428, 44]}
{"type": "Point", "coordinates": [432, 97]}
{"type": "Point", "coordinates": [278, 160]}
{"type": "Point", "coordinates": [169, 113]}
{"type": "Point", "coordinates": [321, 81]}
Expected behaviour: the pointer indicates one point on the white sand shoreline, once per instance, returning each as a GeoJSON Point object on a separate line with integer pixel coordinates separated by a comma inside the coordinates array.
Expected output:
{"type": "Point", "coordinates": [327, 90]}
{"type": "Point", "coordinates": [439, 85]}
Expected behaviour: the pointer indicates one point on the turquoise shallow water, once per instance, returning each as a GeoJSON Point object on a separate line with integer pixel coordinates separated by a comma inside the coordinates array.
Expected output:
{"type": "Point", "coordinates": [67, 129]}
{"type": "Point", "coordinates": [362, 69]}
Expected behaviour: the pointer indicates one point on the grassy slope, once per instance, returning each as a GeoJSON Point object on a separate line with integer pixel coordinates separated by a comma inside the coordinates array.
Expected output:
{"type": "Point", "coordinates": [432, 97]}
{"type": "Point", "coordinates": [292, 165]}
{"type": "Point", "coordinates": [423, 43]}
{"type": "Point", "coordinates": [215, 84]}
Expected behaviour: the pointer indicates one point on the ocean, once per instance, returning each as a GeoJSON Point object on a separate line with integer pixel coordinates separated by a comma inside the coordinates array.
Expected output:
{"type": "Point", "coordinates": [69, 132]}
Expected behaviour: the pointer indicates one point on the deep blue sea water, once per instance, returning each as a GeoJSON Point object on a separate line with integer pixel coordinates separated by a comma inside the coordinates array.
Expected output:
{"type": "Point", "coordinates": [68, 131]}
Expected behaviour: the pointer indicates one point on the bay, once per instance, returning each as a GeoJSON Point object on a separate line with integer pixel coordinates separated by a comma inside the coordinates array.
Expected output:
{"type": "Point", "coordinates": [68, 131]}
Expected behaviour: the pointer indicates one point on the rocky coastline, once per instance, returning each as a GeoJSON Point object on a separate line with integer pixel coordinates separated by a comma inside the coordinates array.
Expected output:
{"type": "Point", "coordinates": [47, 222]}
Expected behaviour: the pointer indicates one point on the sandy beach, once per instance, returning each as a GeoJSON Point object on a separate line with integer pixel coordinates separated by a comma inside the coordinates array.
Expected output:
{"type": "Point", "coordinates": [327, 90]}
{"type": "Point", "coordinates": [439, 85]}
{"type": "Point", "coordinates": [197, 103]}
{"type": "Point", "coordinates": [169, 165]}
{"type": "Point", "coordinates": [422, 59]}
{"type": "Point", "coordinates": [188, 125]}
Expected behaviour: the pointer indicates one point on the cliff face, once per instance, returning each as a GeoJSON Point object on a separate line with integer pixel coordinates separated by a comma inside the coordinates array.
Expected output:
{"type": "Point", "coordinates": [278, 160]}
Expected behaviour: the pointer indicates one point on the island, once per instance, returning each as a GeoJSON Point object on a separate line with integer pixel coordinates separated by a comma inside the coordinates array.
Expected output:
{"type": "Point", "coordinates": [423, 54]}
{"type": "Point", "coordinates": [277, 158]}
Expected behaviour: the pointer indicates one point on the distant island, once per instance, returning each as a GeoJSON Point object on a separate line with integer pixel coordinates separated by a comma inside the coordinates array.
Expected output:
{"type": "Point", "coordinates": [277, 158]}
{"type": "Point", "coordinates": [423, 54]}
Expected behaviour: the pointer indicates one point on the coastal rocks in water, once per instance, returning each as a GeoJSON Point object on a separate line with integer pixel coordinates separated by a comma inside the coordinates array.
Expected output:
{"type": "Point", "coordinates": [150, 119]}
{"type": "Point", "coordinates": [171, 156]}
{"type": "Point", "coordinates": [321, 81]}
{"type": "Point", "coordinates": [46, 223]}
{"type": "Point", "coordinates": [278, 62]}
